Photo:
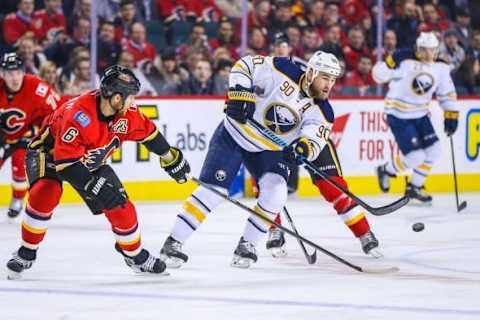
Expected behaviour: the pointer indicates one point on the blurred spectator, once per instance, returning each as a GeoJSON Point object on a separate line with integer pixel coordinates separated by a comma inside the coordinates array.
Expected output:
{"type": "Point", "coordinates": [361, 78]}
{"type": "Point", "coordinates": [126, 59]}
{"type": "Point", "coordinates": [62, 45]}
{"type": "Point", "coordinates": [474, 49]}
{"type": "Point", "coordinates": [221, 78]}
{"type": "Point", "coordinates": [170, 76]}
{"type": "Point", "coordinates": [108, 50]}
{"type": "Point", "coordinates": [463, 27]}
{"type": "Point", "coordinates": [48, 72]}
{"type": "Point", "coordinates": [201, 82]}
{"type": "Point", "coordinates": [198, 39]}
{"type": "Point", "coordinates": [81, 83]}
{"type": "Point", "coordinates": [433, 22]}
{"type": "Point", "coordinates": [225, 39]}
{"type": "Point", "coordinates": [310, 39]}
{"type": "Point", "coordinates": [108, 9]}
{"type": "Point", "coordinates": [175, 10]}
{"type": "Point", "coordinates": [147, 10]}
{"type": "Point", "coordinates": [232, 8]}
{"type": "Point", "coordinates": [356, 48]}
{"type": "Point", "coordinates": [314, 14]}
{"type": "Point", "coordinates": [19, 23]}
{"type": "Point", "coordinates": [352, 11]}
{"type": "Point", "coordinates": [221, 54]}
{"type": "Point", "coordinates": [450, 50]}
{"type": "Point", "coordinates": [281, 47]}
{"type": "Point", "coordinates": [206, 11]}
{"type": "Point", "coordinates": [368, 30]}
{"type": "Point", "coordinates": [82, 9]}
{"type": "Point", "coordinates": [257, 41]}
{"type": "Point", "coordinates": [26, 51]}
{"type": "Point", "coordinates": [192, 56]}
{"type": "Point", "coordinates": [405, 24]}
{"type": "Point", "coordinates": [332, 41]}
{"type": "Point", "coordinates": [467, 77]}
{"type": "Point", "coordinates": [124, 20]}
{"type": "Point", "coordinates": [258, 17]}
{"type": "Point", "coordinates": [389, 45]}
{"type": "Point", "coordinates": [281, 18]}
{"type": "Point", "coordinates": [138, 45]}
{"type": "Point", "coordinates": [48, 19]}
{"type": "Point", "coordinates": [331, 15]}
{"type": "Point", "coordinates": [66, 72]}
{"type": "Point", "coordinates": [294, 35]}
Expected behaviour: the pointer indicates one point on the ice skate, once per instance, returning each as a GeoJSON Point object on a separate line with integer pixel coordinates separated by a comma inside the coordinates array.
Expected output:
{"type": "Point", "coordinates": [370, 245]}
{"type": "Point", "coordinates": [143, 262]}
{"type": "Point", "coordinates": [416, 193]}
{"type": "Point", "coordinates": [276, 243]}
{"type": "Point", "coordinates": [172, 254]}
{"type": "Point", "coordinates": [15, 207]}
{"type": "Point", "coordinates": [244, 254]}
{"type": "Point", "coordinates": [383, 178]}
{"type": "Point", "coordinates": [22, 259]}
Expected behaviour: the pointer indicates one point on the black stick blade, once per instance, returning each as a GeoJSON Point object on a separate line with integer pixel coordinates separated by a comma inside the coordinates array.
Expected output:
{"type": "Point", "coordinates": [389, 208]}
{"type": "Point", "coordinates": [462, 206]}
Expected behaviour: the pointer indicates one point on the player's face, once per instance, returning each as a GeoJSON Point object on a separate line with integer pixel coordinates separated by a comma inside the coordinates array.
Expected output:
{"type": "Point", "coordinates": [117, 104]}
{"type": "Point", "coordinates": [13, 79]}
{"type": "Point", "coordinates": [427, 54]}
{"type": "Point", "coordinates": [321, 85]}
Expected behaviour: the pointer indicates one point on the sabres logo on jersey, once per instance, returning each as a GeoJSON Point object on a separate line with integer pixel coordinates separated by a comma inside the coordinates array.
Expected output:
{"type": "Point", "coordinates": [422, 83]}
{"type": "Point", "coordinates": [280, 118]}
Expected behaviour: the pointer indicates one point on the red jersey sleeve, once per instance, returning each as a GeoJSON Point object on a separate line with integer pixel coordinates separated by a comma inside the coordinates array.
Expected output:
{"type": "Point", "coordinates": [47, 100]}
{"type": "Point", "coordinates": [138, 127]}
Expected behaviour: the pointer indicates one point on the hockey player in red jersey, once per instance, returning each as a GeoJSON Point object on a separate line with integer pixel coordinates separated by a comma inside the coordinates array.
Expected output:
{"type": "Point", "coordinates": [25, 101]}
{"type": "Point", "coordinates": [73, 145]}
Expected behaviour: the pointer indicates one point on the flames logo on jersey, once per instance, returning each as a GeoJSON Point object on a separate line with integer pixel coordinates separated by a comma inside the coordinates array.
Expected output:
{"type": "Point", "coordinates": [14, 120]}
{"type": "Point", "coordinates": [280, 118]}
{"type": "Point", "coordinates": [95, 158]}
{"type": "Point", "coordinates": [422, 83]}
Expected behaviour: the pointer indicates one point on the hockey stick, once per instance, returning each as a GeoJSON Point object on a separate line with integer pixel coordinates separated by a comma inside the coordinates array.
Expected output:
{"type": "Point", "coordinates": [376, 211]}
{"type": "Point", "coordinates": [311, 259]}
{"type": "Point", "coordinates": [462, 205]}
{"type": "Point", "coordinates": [293, 234]}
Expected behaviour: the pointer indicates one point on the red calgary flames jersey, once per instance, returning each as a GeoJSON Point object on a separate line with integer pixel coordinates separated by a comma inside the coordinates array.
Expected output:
{"type": "Point", "coordinates": [27, 108]}
{"type": "Point", "coordinates": [77, 131]}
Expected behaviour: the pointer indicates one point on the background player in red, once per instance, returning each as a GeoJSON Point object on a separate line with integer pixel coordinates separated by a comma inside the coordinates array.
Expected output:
{"type": "Point", "coordinates": [25, 101]}
{"type": "Point", "coordinates": [73, 145]}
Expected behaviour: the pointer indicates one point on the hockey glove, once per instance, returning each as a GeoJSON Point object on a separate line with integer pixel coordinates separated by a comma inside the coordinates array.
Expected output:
{"type": "Point", "coordinates": [240, 103]}
{"type": "Point", "coordinates": [178, 167]}
{"type": "Point", "coordinates": [300, 148]}
{"type": "Point", "coordinates": [450, 122]}
{"type": "Point", "coordinates": [104, 193]}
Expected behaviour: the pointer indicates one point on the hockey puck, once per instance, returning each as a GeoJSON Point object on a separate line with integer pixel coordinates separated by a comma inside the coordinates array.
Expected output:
{"type": "Point", "coordinates": [417, 227]}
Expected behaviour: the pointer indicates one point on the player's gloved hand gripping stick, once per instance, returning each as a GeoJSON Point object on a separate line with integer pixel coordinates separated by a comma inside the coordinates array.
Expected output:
{"type": "Point", "coordinates": [377, 211]}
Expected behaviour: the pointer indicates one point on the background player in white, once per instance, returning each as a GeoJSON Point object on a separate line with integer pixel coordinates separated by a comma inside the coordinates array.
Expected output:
{"type": "Point", "coordinates": [413, 77]}
{"type": "Point", "coordinates": [291, 103]}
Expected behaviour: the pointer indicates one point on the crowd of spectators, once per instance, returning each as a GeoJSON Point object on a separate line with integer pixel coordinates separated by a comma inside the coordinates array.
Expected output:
{"type": "Point", "coordinates": [186, 47]}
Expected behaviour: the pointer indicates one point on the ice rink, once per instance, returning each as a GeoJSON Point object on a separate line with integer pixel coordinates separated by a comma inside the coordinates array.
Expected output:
{"type": "Point", "coordinates": [78, 275]}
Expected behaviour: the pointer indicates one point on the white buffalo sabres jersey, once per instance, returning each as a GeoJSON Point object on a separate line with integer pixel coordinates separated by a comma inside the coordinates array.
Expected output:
{"type": "Point", "coordinates": [411, 85]}
{"type": "Point", "coordinates": [280, 106]}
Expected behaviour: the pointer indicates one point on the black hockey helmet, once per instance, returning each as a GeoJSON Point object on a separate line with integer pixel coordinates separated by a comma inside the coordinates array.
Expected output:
{"type": "Point", "coordinates": [118, 79]}
{"type": "Point", "coordinates": [11, 61]}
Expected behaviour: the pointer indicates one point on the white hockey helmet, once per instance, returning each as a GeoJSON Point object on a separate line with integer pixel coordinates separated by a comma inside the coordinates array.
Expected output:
{"type": "Point", "coordinates": [427, 40]}
{"type": "Point", "coordinates": [322, 62]}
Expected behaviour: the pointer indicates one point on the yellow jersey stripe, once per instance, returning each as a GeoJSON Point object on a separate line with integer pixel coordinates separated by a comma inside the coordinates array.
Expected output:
{"type": "Point", "coordinates": [351, 222]}
{"type": "Point", "coordinates": [32, 229]}
{"type": "Point", "coordinates": [238, 65]}
{"type": "Point", "coordinates": [129, 243]}
{"type": "Point", "coordinates": [425, 167]}
{"type": "Point", "coordinates": [194, 211]}
{"type": "Point", "coordinates": [263, 214]}
{"type": "Point", "coordinates": [399, 163]}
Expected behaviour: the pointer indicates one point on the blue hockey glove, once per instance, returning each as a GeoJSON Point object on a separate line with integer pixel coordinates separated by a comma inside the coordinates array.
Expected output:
{"type": "Point", "coordinates": [240, 103]}
{"type": "Point", "coordinates": [450, 122]}
{"type": "Point", "coordinates": [300, 147]}
{"type": "Point", "coordinates": [393, 61]}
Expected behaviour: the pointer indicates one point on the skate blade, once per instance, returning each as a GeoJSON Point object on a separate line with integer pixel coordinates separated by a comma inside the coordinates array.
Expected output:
{"type": "Point", "coordinates": [151, 274]}
{"type": "Point", "coordinates": [278, 252]}
{"type": "Point", "coordinates": [375, 253]}
{"type": "Point", "coordinates": [417, 203]}
{"type": "Point", "coordinates": [240, 262]}
{"type": "Point", "coordinates": [380, 270]}
{"type": "Point", "coordinates": [171, 262]}
{"type": "Point", "coordinates": [12, 275]}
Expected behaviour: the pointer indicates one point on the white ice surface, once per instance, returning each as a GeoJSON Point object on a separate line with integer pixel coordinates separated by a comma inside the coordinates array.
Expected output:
{"type": "Point", "coordinates": [78, 275]}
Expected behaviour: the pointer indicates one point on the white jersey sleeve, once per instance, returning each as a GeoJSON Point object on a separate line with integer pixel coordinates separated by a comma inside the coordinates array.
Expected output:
{"type": "Point", "coordinates": [382, 73]}
{"type": "Point", "coordinates": [446, 94]}
{"type": "Point", "coordinates": [242, 73]}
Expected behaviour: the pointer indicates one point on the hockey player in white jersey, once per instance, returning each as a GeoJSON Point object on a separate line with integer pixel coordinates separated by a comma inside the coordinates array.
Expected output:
{"type": "Point", "coordinates": [413, 77]}
{"type": "Point", "coordinates": [292, 104]}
